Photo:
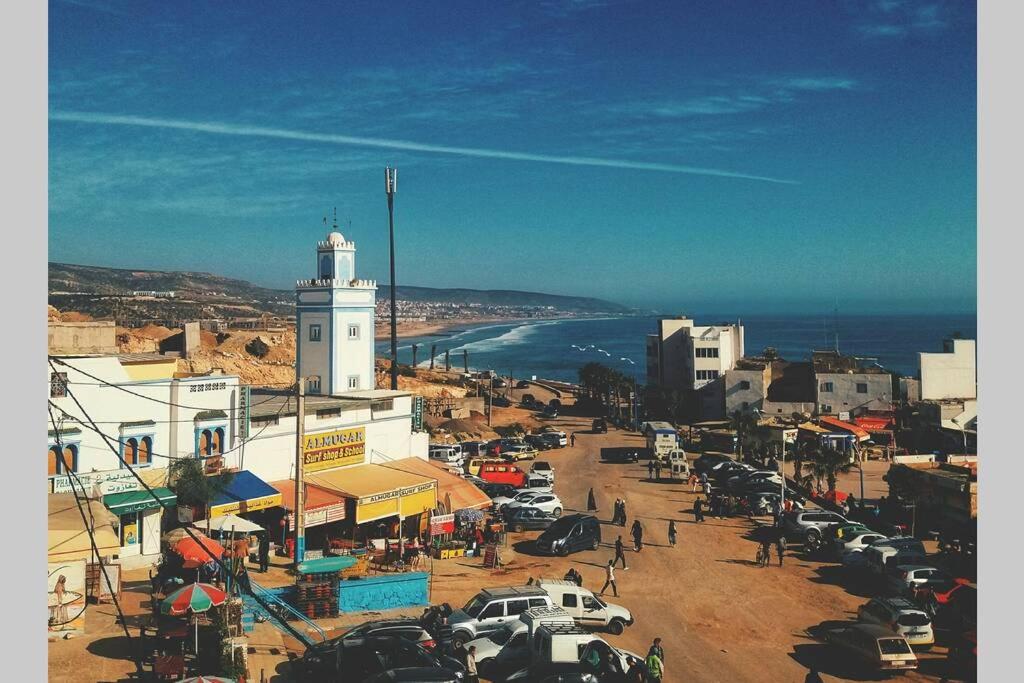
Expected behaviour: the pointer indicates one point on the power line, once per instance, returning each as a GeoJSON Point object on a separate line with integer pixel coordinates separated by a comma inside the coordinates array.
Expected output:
{"type": "Point", "coordinates": [92, 542]}
{"type": "Point", "coordinates": [165, 507]}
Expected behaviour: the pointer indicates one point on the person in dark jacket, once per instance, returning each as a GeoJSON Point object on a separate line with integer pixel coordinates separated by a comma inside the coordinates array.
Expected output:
{"type": "Point", "coordinates": [637, 672]}
{"type": "Point", "coordinates": [657, 649]}
{"type": "Point", "coordinates": [672, 532]}
{"type": "Point", "coordinates": [591, 501]}
{"type": "Point", "coordinates": [619, 554]}
{"type": "Point", "coordinates": [264, 552]}
{"type": "Point", "coordinates": [698, 510]}
{"type": "Point", "coordinates": [622, 513]}
{"type": "Point", "coordinates": [638, 536]}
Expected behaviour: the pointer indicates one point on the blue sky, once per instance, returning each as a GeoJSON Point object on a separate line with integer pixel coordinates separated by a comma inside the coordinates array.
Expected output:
{"type": "Point", "coordinates": [753, 156]}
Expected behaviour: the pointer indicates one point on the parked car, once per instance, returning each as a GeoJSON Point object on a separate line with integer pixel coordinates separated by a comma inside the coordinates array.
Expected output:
{"type": "Point", "coordinates": [555, 439]}
{"type": "Point", "coordinates": [874, 645]}
{"type": "Point", "coordinates": [499, 383]}
{"type": "Point", "coordinates": [706, 461]}
{"type": "Point", "coordinates": [742, 480]}
{"type": "Point", "coordinates": [347, 659]}
{"type": "Point", "coordinates": [908, 578]}
{"type": "Point", "coordinates": [570, 534]}
{"type": "Point", "coordinates": [542, 468]}
{"type": "Point", "coordinates": [518, 496]}
{"type": "Point", "coordinates": [472, 466]}
{"type": "Point", "coordinates": [549, 413]}
{"type": "Point", "coordinates": [902, 616]}
{"type": "Point", "coordinates": [809, 523]}
{"type": "Point", "coordinates": [446, 453]}
{"type": "Point", "coordinates": [492, 608]}
{"type": "Point", "coordinates": [538, 442]}
{"type": "Point", "coordinates": [620, 454]}
{"type": "Point", "coordinates": [500, 402]}
{"type": "Point", "coordinates": [959, 612]}
{"type": "Point", "coordinates": [473, 449]}
{"type": "Point", "coordinates": [522, 384]}
{"type": "Point", "coordinates": [547, 502]}
{"type": "Point", "coordinates": [844, 531]}
{"type": "Point", "coordinates": [520, 452]}
{"type": "Point", "coordinates": [599, 426]}
{"type": "Point", "coordinates": [498, 490]}
{"type": "Point", "coordinates": [526, 518]}
{"type": "Point", "coordinates": [857, 542]}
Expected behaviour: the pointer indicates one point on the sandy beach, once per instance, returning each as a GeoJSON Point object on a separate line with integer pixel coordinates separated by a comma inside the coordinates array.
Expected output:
{"type": "Point", "coordinates": [419, 328]}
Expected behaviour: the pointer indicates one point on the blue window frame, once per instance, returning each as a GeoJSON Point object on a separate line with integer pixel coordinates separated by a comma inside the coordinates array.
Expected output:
{"type": "Point", "coordinates": [209, 440]}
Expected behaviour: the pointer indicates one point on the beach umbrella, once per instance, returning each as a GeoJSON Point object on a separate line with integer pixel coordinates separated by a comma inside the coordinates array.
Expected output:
{"type": "Point", "coordinates": [207, 679]}
{"type": "Point", "coordinates": [199, 552]}
{"type": "Point", "coordinates": [174, 535]}
{"type": "Point", "coordinates": [232, 523]}
{"type": "Point", "coordinates": [193, 599]}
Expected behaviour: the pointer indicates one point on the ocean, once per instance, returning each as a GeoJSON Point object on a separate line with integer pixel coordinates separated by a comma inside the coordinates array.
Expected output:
{"type": "Point", "coordinates": [543, 348]}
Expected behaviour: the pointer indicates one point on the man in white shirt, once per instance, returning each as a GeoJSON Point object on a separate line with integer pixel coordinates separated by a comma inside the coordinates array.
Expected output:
{"type": "Point", "coordinates": [610, 579]}
{"type": "Point", "coordinates": [471, 674]}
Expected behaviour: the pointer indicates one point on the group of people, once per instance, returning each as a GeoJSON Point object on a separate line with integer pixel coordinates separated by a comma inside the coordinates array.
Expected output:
{"type": "Point", "coordinates": [766, 549]}
{"type": "Point", "coordinates": [619, 514]}
{"type": "Point", "coordinates": [654, 470]}
{"type": "Point", "coordinates": [648, 670]}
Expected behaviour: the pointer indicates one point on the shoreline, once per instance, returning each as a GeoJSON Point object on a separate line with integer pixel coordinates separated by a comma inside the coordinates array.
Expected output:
{"type": "Point", "coordinates": [427, 328]}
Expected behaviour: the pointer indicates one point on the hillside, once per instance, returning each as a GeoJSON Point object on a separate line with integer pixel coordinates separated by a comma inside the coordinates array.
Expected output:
{"type": "Point", "coordinates": [103, 292]}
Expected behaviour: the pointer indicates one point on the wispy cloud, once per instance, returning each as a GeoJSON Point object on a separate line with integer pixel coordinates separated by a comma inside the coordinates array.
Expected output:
{"type": "Point", "coordinates": [216, 128]}
{"type": "Point", "coordinates": [894, 18]}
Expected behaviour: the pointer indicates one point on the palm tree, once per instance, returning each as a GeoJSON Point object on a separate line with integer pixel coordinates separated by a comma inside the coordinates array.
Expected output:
{"type": "Point", "coordinates": [744, 424]}
{"type": "Point", "coordinates": [828, 463]}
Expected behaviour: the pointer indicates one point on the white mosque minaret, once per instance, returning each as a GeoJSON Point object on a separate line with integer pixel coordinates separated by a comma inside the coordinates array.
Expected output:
{"type": "Point", "coordinates": [334, 322]}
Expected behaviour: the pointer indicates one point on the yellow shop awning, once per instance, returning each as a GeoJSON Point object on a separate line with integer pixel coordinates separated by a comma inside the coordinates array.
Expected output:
{"type": "Point", "coordinates": [67, 538]}
{"type": "Point", "coordinates": [379, 491]}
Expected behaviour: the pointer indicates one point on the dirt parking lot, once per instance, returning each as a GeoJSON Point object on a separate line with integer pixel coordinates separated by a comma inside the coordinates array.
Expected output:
{"type": "Point", "coordinates": [721, 617]}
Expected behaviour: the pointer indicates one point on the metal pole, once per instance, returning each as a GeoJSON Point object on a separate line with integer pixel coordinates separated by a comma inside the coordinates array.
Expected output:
{"type": "Point", "coordinates": [433, 352]}
{"type": "Point", "coordinates": [391, 182]}
{"type": "Point", "coordinates": [489, 392]}
{"type": "Point", "coordinates": [299, 512]}
{"type": "Point", "coordinates": [414, 348]}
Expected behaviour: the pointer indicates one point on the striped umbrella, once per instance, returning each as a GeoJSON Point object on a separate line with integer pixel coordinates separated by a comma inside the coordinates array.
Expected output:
{"type": "Point", "coordinates": [198, 552]}
{"type": "Point", "coordinates": [194, 598]}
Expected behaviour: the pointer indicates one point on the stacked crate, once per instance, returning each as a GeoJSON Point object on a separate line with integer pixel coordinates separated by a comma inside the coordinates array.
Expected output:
{"type": "Point", "coordinates": [317, 595]}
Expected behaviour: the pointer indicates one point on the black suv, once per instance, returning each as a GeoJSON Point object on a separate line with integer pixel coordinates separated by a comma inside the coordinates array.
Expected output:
{"type": "Point", "coordinates": [570, 534]}
{"type": "Point", "coordinates": [358, 658]}
{"type": "Point", "coordinates": [599, 426]}
{"type": "Point", "coordinates": [708, 460]}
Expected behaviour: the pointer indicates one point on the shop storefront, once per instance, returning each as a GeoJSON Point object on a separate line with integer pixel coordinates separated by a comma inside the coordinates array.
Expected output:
{"type": "Point", "coordinates": [140, 519]}
{"type": "Point", "coordinates": [325, 518]}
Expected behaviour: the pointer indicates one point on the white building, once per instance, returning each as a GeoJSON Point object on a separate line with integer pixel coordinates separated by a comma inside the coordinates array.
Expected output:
{"type": "Point", "coordinates": [689, 357]}
{"type": "Point", "coordinates": [951, 374]}
{"type": "Point", "coordinates": [334, 322]}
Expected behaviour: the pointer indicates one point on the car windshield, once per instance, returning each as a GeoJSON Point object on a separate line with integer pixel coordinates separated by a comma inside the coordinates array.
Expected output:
{"type": "Point", "coordinates": [893, 646]}
{"type": "Point", "coordinates": [524, 496]}
{"type": "Point", "coordinates": [502, 635]}
{"type": "Point", "coordinates": [913, 619]}
{"type": "Point", "coordinates": [539, 465]}
{"type": "Point", "coordinates": [474, 606]}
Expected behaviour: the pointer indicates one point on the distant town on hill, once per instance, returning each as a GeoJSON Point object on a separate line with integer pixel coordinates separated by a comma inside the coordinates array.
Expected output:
{"type": "Point", "coordinates": [152, 295]}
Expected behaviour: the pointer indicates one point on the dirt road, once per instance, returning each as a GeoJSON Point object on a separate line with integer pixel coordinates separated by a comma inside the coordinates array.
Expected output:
{"type": "Point", "coordinates": [721, 617]}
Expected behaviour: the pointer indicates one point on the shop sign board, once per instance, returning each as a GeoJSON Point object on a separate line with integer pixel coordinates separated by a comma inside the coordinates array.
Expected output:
{"type": "Point", "coordinates": [324, 515]}
{"type": "Point", "coordinates": [336, 448]}
{"type": "Point", "coordinates": [397, 493]}
{"type": "Point", "coordinates": [417, 414]}
{"type": "Point", "coordinates": [91, 479]}
{"type": "Point", "coordinates": [442, 524]}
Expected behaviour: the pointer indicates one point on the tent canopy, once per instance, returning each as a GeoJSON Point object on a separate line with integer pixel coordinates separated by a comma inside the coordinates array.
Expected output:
{"type": "Point", "coordinates": [67, 538]}
{"type": "Point", "coordinates": [463, 494]}
{"type": "Point", "coordinates": [245, 492]}
{"type": "Point", "coordinates": [230, 523]}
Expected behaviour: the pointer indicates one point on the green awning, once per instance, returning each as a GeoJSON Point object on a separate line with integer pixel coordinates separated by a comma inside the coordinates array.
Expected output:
{"type": "Point", "coordinates": [133, 501]}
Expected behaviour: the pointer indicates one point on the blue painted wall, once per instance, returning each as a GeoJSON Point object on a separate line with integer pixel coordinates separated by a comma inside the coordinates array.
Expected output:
{"type": "Point", "coordinates": [383, 592]}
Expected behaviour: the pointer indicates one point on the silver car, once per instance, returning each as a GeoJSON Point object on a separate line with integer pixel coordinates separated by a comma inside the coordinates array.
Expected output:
{"type": "Point", "coordinates": [807, 524]}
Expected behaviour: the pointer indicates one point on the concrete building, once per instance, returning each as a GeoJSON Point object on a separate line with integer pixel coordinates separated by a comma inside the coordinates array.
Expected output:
{"type": "Point", "coordinates": [951, 374]}
{"type": "Point", "coordinates": [85, 338]}
{"type": "Point", "coordinates": [845, 387]}
{"type": "Point", "coordinates": [334, 322]}
{"type": "Point", "coordinates": [694, 358]}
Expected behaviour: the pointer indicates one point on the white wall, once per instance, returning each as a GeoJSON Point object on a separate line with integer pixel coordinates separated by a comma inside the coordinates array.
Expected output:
{"type": "Point", "coordinates": [950, 375]}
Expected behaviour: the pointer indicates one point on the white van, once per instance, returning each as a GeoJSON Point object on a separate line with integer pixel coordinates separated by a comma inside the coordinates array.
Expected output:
{"type": "Point", "coordinates": [680, 466]}
{"type": "Point", "coordinates": [450, 454]}
{"type": "Point", "coordinates": [508, 648]}
{"type": "Point", "coordinates": [587, 609]}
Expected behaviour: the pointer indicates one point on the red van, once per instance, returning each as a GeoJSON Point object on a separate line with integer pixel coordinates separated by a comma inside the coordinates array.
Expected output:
{"type": "Point", "coordinates": [503, 473]}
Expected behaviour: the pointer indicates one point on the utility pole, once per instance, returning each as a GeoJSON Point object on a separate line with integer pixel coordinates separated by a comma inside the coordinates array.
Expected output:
{"type": "Point", "coordinates": [433, 353]}
{"type": "Point", "coordinates": [415, 347]}
{"type": "Point", "coordinates": [489, 392]}
{"type": "Point", "coordinates": [390, 185]}
{"type": "Point", "coordinates": [447, 360]}
{"type": "Point", "coordinates": [300, 503]}
{"type": "Point", "coordinates": [465, 360]}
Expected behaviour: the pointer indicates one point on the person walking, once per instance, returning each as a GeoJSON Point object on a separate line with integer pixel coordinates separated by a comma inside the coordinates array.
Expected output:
{"type": "Point", "coordinates": [622, 513]}
{"type": "Point", "coordinates": [650, 469]}
{"type": "Point", "coordinates": [591, 501]}
{"type": "Point", "coordinates": [471, 672]}
{"type": "Point", "coordinates": [619, 555]}
{"type": "Point", "coordinates": [572, 440]}
{"type": "Point", "coordinates": [706, 487]}
{"type": "Point", "coordinates": [698, 510]}
{"type": "Point", "coordinates": [672, 532]}
{"type": "Point", "coordinates": [656, 649]}
{"type": "Point", "coordinates": [693, 482]}
{"type": "Point", "coordinates": [655, 668]}
{"type": "Point", "coordinates": [609, 579]}
{"type": "Point", "coordinates": [264, 552]}
{"type": "Point", "coordinates": [617, 511]}
{"type": "Point", "coordinates": [780, 547]}
{"type": "Point", "coordinates": [657, 470]}
{"type": "Point", "coordinates": [638, 536]}
{"type": "Point", "coordinates": [766, 549]}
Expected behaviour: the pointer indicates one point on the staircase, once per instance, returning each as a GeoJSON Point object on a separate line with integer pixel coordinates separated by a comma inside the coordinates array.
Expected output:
{"type": "Point", "coordinates": [282, 610]}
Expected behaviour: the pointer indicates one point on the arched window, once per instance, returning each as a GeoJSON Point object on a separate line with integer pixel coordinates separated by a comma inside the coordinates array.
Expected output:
{"type": "Point", "coordinates": [218, 441]}
{"type": "Point", "coordinates": [204, 443]}
{"type": "Point", "coordinates": [52, 461]}
{"type": "Point", "coordinates": [131, 451]}
{"type": "Point", "coordinates": [71, 458]}
{"type": "Point", "coordinates": [145, 447]}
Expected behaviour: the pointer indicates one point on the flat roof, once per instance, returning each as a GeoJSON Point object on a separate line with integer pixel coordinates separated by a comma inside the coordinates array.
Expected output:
{"type": "Point", "coordinates": [267, 402]}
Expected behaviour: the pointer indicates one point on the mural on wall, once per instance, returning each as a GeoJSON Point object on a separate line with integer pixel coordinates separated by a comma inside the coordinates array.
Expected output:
{"type": "Point", "coordinates": [66, 597]}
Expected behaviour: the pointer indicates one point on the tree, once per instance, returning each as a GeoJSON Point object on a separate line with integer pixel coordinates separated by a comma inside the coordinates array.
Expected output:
{"type": "Point", "coordinates": [827, 463]}
{"type": "Point", "coordinates": [745, 425]}
{"type": "Point", "coordinates": [192, 486]}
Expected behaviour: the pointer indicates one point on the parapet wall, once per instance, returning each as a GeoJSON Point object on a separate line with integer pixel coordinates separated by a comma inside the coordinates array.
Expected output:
{"type": "Point", "coordinates": [93, 337]}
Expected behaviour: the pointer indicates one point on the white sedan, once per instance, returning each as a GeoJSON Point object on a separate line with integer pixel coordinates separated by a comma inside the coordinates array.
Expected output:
{"type": "Point", "coordinates": [858, 542]}
{"type": "Point", "coordinates": [521, 496]}
{"type": "Point", "coordinates": [547, 502]}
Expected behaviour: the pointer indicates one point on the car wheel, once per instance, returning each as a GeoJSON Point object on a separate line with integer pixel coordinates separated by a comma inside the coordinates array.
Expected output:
{"type": "Point", "coordinates": [458, 640]}
{"type": "Point", "coordinates": [616, 627]}
{"type": "Point", "coordinates": [813, 535]}
{"type": "Point", "coordinates": [557, 512]}
{"type": "Point", "coordinates": [519, 528]}
{"type": "Point", "coordinates": [563, 551]}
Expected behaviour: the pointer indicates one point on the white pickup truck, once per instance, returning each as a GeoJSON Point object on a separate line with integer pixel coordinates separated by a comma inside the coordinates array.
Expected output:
{"type": "Point", "coordinates": [586, 609]}
{"type": "Point", "coordinates": [560, 649]}
{"type": "Point", "coordinates": [508, 649]}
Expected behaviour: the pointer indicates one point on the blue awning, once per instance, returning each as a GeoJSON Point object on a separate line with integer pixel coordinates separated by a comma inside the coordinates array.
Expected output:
{"type": "Point", "coordinates": [245, 492]}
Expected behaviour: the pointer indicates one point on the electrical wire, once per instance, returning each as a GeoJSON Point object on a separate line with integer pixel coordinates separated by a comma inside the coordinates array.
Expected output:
{"type": "Point", "coordinates": [166, 506]}
{"type": "Point", "coordinates": [137, 656]}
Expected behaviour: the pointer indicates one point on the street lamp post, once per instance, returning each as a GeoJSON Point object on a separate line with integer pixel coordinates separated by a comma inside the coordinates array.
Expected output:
{"type": "Point", "coordinates": [962, 432]}
{"type": "Point", "coordinates": [390, 185]}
